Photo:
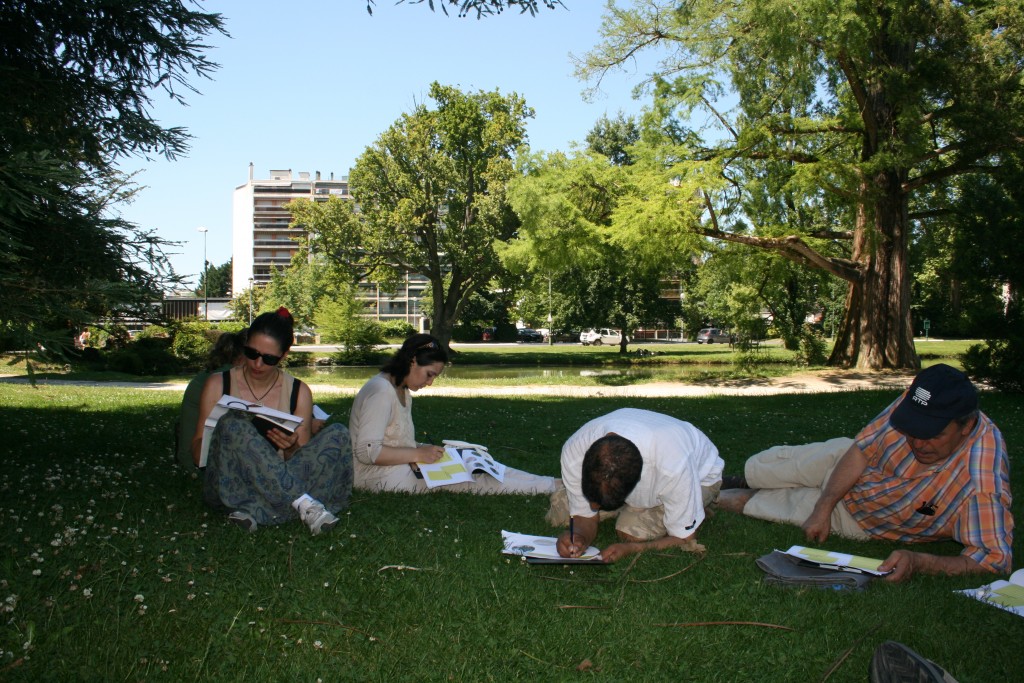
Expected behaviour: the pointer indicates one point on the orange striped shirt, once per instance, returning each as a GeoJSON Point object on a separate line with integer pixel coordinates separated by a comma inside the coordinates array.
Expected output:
{"type": "Point", "coordinates": [968, 495]}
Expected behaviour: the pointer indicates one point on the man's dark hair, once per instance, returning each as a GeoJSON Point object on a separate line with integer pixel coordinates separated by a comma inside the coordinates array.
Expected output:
{"type": "Point", "coordinates": [611, 469]}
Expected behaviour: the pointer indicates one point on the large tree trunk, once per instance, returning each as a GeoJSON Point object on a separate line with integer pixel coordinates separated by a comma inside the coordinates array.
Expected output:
{"type": "Point", "coordinates": [877, 332]}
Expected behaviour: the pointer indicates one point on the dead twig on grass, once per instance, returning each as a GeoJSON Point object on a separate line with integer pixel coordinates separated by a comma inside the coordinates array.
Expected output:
{"type": "Point", "coordinates": [582, 607]}
{"type": "Point", "coordinates": [849, 651]}
{"type": "Point", "coordinates": [665, 578]}
{"type": "Point", "coordinates": [625, 578]}
{"type": "Point", "coordinates": [729, 623]}
{"type": "Point", "coordinates": [403, 568]}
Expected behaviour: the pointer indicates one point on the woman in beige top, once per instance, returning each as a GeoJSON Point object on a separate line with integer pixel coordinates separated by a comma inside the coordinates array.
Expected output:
{"type": "Point", "coordinates": [384, 446]}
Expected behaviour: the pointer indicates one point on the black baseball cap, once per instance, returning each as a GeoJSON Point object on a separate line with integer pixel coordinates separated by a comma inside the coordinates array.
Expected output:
{"type": "Point", "coordinates": [938, 395]}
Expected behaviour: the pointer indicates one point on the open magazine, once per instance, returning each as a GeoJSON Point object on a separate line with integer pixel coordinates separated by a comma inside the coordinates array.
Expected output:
{"type": "Point", "coordinates": [264, 419]}
{"type": "Point", "coordinates": [542, 550]}
{"type": "Point", "coordinates": [830, 559]}
{"type": "Point", "coordinates": [459, 462]}
{"type": "Point", "coordinates": [1007, 595]}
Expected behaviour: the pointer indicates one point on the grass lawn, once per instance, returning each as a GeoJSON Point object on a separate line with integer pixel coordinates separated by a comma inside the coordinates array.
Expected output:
{"type": "Point", "coordinates": [113, 570]}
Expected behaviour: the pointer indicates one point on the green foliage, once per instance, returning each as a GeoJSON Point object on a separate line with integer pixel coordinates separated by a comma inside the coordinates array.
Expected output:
{"type": "Point", "coordinates": [78, 86]}
{"type": "Point", "coordinates": [431, 198]}
{"type": "Point", "coordinates": [239, 305]}
{"type": "Point", "coordinates": [342, 320]}
{"type": "Point", "coordinates": [396, 329]}
{"type": "Point", "coordinates": [999, 362]}
{"type": "Point", "coordinates": [813, 347]}
{"type": "Point", "coordinates": [301, 288]}
{"type": "Point", "coordinates": [145, 356]}
{"type": "Point", "coordinates": [215, 280]}
{"type": "Point", "coordinates": [153, 331]}
{"type": "Point", "coordinates": [482, 8]}
{"type": "Point", "coordinates": [193, 341]}
{"type": "Point", "coordinates": [813, 141]}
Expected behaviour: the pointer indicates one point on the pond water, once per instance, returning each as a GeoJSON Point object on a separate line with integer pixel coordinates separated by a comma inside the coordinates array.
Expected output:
{"type": "Point", "coordinates": [647, 373]}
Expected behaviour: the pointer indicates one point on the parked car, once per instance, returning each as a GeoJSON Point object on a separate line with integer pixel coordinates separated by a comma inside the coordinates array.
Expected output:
{"type": "Point", "coordinates": [527, 334]}
{"type": "Point", "coordinates": [561, 336]}
{"type": "Point", "coordinates": [601, 335]}
{"type": "Point", "coordinates": [711, 335]}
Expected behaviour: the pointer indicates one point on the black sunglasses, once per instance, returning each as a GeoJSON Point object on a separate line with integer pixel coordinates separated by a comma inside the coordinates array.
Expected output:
{"type": "Point", "coordinates": [253, 354]}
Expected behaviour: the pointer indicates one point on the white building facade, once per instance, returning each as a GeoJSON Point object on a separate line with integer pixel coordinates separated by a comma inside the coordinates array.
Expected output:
{"type": "Point", "coordinates": [262, 239]}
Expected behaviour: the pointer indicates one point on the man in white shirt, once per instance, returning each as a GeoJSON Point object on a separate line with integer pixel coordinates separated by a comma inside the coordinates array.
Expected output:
{"type": "Point", "coordinates": [654, 473]}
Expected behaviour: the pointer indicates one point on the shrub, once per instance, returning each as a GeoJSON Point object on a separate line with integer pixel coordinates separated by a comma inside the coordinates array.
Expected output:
{"type": "Point", "coordinates": [396, 329]}
{"type": "Point", "coordinates": [153, 331]}
{"type": "Point", "coordinates": [1000, 362]}
{"type": "Point", "coordinates": [813, 347]}
{"type": "Point", "coordinates": [193, 342]}
{"type": "Point", "coordinates": [145, 356]}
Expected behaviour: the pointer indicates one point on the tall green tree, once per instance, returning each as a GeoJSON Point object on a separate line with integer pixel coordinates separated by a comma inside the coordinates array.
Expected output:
{"type": "Point", "coordinates": [215, 280]}
{"type": "Point", "coordinates": [78, 78]}
{"type": "Point", "coordinates": [872, 104]}
{"type": "Point", "coordinates": [580, 227]}
{"type": "Point", "coordinates": [430, 194]}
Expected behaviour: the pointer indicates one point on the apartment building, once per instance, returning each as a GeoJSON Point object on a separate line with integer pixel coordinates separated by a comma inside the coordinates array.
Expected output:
{"type": "Point", "coordinates": [263, 240]}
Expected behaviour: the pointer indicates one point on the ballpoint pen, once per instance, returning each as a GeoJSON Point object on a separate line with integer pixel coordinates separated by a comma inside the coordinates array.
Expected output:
{"type": "Point", "coordinates": [572, 542]}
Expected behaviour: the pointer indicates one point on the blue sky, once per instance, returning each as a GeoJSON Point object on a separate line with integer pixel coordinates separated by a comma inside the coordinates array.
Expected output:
{"type": "Point", "coordinates": [309, 85]}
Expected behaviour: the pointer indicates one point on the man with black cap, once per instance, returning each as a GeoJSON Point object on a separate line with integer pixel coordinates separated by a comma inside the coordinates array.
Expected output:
{"type": "Point", "coordinates": [930, 467]}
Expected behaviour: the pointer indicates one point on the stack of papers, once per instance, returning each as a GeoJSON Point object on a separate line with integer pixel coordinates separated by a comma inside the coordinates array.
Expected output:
{"type": "Point", "coordinates": [542, 550]}
{"type": "Point", "coordinates": [1007, 595]}
{"type": "Point", "coordinates": [829, 559]}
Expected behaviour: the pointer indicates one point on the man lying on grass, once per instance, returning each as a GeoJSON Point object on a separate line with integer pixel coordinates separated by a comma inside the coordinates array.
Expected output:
{"type": "Point", "coordinates": [654, 473]}
{"type": "Point", "coordinates": [930, 467]}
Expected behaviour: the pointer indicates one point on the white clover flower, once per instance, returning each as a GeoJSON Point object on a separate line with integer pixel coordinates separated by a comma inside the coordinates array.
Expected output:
{"type": "Point", "coordinates": [37, 572]}
{"type": "Point", "coordinates": [87, 593]}
{"type": "Point", "coordinates": [139, 597]}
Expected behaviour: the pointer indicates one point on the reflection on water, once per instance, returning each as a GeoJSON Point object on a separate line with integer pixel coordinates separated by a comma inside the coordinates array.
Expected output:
{"type": "Point", "coordinates": [647, 373]}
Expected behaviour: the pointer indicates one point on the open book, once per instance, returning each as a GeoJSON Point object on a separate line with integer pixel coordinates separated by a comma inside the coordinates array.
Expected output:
{"type": "Point", "coordinates": [1007, 595]}
{"type": "Point", "coordinates": [458, 464]}
{"type": "Point", "coordinates": [829, 559]}
{"type": "Point", "coordinates": [542, 550]}
{"type": "Point", "coordinates": [264, 419]}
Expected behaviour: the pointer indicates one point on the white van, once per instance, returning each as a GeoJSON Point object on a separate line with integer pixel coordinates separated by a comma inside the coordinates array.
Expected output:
{"type": "Point", "coordinates": [602, 335]}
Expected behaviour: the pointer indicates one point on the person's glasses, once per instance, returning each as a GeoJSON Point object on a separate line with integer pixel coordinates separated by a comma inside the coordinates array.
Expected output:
{"type": "Point", "coordinates": [253, 354]}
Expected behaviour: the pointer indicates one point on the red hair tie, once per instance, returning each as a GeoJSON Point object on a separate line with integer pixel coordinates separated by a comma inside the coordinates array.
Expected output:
{"type": "Point", "coordinates": [284, 312]}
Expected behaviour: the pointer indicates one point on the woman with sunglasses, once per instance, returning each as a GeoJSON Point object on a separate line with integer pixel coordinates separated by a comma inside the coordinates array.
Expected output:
{"type": "Point", "coordinates": [384, 438]}
{"type": "Point", "coordinates": [273, 477]}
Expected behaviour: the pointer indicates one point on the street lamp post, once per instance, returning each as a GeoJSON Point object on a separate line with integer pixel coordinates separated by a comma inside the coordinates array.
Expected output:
{"type": "Point", "coordinates": [206, 284]}
{"type": "Point", "coordinates": [250, 302]}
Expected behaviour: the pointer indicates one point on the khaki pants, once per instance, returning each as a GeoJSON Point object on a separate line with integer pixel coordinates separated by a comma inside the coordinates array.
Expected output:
{"type": "Point", "coordinates": [789, 480]}
{"type": "Point", "coordinates": [645, 524]}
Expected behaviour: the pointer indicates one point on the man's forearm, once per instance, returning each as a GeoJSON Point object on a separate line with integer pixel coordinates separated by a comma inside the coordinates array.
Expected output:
{"type": "Point", "coordinates": [843, 477]}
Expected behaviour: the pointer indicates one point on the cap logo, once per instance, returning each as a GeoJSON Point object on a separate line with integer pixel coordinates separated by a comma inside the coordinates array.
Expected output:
{"type": "Point", "coordinates": [922, 396]}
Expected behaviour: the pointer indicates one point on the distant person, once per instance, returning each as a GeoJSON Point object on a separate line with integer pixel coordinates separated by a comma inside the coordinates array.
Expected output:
{"type": "Point", "coordinates": [265, 480]}
{"type": "Point", "coordinates": [930, 467]}
{"type": "Point", "coordinates": [654, 473]}
{"type": "Point", "coordinates": [384, 442]}
{"type": "Point", "coordinates": [226, 353]}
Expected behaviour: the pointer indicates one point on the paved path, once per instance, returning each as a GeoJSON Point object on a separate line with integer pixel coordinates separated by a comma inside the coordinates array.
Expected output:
{"type": "Point", "coordinates": [824, 381]}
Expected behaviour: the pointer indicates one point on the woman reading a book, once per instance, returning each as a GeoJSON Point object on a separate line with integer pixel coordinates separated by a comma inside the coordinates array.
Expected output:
{"type": "Point", "coordinates": [268, 475]}
{"type": "Point", "coordinates": [384, 443]}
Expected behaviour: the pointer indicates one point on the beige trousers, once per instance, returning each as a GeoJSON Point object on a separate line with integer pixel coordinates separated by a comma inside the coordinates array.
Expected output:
{"type": "Point", "coordinates": [789, 480]}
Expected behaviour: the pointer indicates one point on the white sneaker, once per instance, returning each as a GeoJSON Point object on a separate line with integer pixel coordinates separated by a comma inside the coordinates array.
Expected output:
{"type": "Point", "coordinates": [243, 520]}
{"type": "Point", "coordinates": [314, 514]}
